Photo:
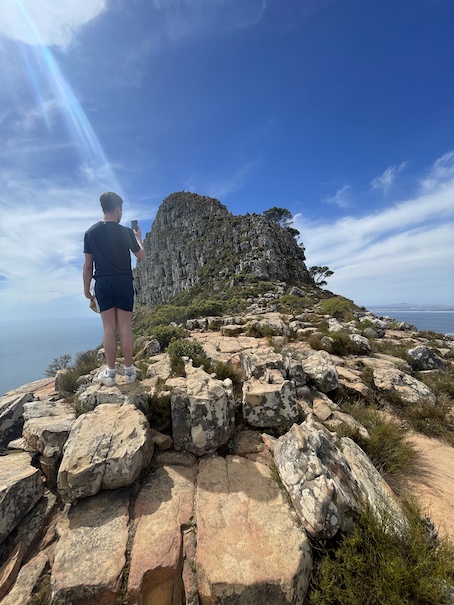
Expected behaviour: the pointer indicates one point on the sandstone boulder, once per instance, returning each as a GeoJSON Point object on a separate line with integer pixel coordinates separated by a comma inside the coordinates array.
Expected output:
{"type": "Point", "coordinates": [96, 394]}
{"type": "Point", "coordinates": [321, 370]}
{"type": "Point", "coordinates": [11, 416]}
{"type": "Point", "coordinates": [408, 388]}
{"type": "Point", "coordinates": [47, 426]}
{"type": "Point", "coordinates": [107, 449]}
{"type": "Point", "coordinates": [269, 404]}
{"type": "Point", "coordinates": [250, 547]}
{"type": "Point", "coordinates": [20, 489]}
{"type": "Point", "coordinates": [424, 358]}
{"type": "Point", "coordinates": [256, 362]}
{"type": "Point", "coordinates": [318, 479]}
{"type": "Point", "coordinates": [203, 412]}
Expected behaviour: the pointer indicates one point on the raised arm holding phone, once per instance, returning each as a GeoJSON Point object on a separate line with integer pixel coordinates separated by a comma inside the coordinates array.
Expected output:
{"type": "Point", "coordinates": [107, 248]}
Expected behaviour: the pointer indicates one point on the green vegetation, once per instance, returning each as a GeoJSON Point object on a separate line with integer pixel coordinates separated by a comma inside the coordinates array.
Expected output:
{"type": "Point", "coordinates": [85, 363]}
{"type": "Point", "coordinates": [184, 347]}
{"type": "Point", "coordinates": [58, 363]}
{"type": "Point", "coordinates": [280, 216]}
{"type": "Point", "coordinates": [338, 307]}
{"type": "Point", "coordinates": [294, 304]}
{"type": "Point", "coordinates": [165, 334]}
{"type": "Point", "coordinates": [376, 567]}
{"type": "Point", "coordinates": [320, 275]}
{"type": "Point", "coordinates": [387, 447]}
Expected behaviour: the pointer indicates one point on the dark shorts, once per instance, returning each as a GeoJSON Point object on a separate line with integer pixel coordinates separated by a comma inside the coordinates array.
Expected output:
{"type": "Point", "coordinates": [114, 291]}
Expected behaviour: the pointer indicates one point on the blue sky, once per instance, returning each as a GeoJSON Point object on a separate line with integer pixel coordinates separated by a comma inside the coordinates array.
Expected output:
{"type": "Point", "coordinates": [341, 111]}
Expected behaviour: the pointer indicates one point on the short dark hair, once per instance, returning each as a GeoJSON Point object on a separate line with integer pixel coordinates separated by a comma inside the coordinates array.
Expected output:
{"type": "Point", "coordinates": [110, 201]}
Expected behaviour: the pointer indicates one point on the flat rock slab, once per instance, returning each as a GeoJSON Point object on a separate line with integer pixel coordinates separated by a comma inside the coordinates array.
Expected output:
{"type": "Point", "coordinates": [164, 505]}
{"type": "Point", "coordinates": [90, 552]}
{"type": "Point", "coordinates": [20, 489]}
{"type": "Point", "coordinates": [29, 576]}
{"type": "Point", "coordinates": [250, 548]}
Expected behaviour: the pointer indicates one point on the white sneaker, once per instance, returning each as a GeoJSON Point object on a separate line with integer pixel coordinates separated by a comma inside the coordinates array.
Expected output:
{"type": "Point", "coordinates": [130, 375]}
{"type": "Point", "coordinates": [106, 378]}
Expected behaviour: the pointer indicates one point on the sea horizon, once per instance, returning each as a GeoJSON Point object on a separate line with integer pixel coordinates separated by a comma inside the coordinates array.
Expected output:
{"type": "Point", "coordinates": [29, 346]}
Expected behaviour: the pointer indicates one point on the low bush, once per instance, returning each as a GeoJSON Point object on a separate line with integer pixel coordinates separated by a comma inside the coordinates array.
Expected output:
{"type": "Point", "coordinates": [58, 363]}
{"type": "Point", "coordinates": [439, 382]}
{"type": "Point", "coordinates": [387, 447]}
{"type": "Point", "coordinates": [294, 304]}
{"type": "Point", "coordinates": [85, 363]}
{"type": "Point", "coordinates": [375, 567]}
{"type": "Point", "coordinates": [164, 334]}
{"type": "Point", "coordinates": [184, 347]}
{"type": "Point", "coordinates": [338, 307]}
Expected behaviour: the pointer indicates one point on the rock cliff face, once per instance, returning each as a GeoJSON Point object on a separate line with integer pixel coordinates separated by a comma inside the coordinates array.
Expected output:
{"type": "Point", "coordinates": [195, 240]}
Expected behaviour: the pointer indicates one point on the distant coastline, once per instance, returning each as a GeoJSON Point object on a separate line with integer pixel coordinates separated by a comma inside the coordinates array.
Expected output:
{"type": "Point", "coordinates": [434, 318]}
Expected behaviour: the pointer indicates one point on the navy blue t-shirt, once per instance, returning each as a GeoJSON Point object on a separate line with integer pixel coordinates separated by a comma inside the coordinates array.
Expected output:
{"type": "Point", "coordinates": [110, 244]}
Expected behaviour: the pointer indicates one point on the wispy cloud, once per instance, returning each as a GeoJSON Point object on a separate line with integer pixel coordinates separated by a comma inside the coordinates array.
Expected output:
{"type": "Point", "coordinates": [184, 18]}
{"type": "Point", "coordinates": [342, 197]}
{"type": "Point", "coordinates": [41, 241]}
{"type": "Point", "coordinates": [222, 187]}
{"type": "Point", "coordinates": [46, 22]}
{"type": "Point", "coordinates": [387, 255]}
{"type": "Point", "coordinates": [385, 180]}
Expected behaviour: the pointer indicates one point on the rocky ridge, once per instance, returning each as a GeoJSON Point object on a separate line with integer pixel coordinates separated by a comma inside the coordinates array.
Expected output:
{"type": "Point", "coordinates": [104, 509]}
{"type": "Point", "coordinates": [195, 240]}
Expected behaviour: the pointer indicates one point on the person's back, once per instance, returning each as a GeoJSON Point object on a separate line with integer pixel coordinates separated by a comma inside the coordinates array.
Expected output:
{"type": "Point", "coordinates": [107, 247]}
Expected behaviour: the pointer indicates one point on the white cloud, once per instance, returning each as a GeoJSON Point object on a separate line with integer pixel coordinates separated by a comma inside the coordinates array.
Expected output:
{"type": "Point", "coordinates": [41, 244]}
{"type": "Point", "coordinates": [46, 22]}
{"type": "Point", "coordinates": [187, 17]}
{"type": "Point", "coordinates": [341, 198]}
{"type": "Point", "coordinates": [403, 253]}
{"type": "Point", "coordinates": [385, 180]}
{"type": "Point", "coordinates": [235, 182]}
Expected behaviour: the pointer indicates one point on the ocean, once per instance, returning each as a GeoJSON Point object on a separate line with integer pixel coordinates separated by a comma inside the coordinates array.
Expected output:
{"type": "Point", "coordinates": [435, 320]}
{"type": "Point", "coordinates": [28, 347]}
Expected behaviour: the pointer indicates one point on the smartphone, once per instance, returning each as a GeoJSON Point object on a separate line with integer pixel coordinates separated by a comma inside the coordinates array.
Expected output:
{"type": "Point", "coordinates": [134, 225]}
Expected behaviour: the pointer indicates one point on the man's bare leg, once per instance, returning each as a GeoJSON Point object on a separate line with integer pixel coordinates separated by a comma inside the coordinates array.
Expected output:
{"type": "Point", "coordinates": [109, 322]}
{"type": "Point", "coordinates": [126, 338]}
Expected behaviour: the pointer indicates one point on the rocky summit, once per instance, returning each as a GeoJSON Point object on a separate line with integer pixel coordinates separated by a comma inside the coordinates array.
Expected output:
{"type": "Point", "coordinates": [211, 480]}
{"type": "Point", "coordinates": [195, 240]}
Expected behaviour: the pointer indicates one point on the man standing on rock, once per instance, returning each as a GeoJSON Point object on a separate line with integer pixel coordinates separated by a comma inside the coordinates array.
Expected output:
{"type": "Point", "coordinates": [107, 247]}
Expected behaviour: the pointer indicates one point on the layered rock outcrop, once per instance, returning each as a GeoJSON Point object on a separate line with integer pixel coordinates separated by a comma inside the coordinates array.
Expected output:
{"type": "Point", "coordinates": [195, 240]}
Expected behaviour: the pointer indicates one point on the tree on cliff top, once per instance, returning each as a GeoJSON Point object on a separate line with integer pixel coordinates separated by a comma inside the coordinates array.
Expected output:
{"type": "Point", "coordinates": [281, 216]}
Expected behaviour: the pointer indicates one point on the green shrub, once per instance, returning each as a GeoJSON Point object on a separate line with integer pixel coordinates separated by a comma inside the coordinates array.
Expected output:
{"type": "Point", "coordinates": [205, 308]}
{"type": "Point", "coordinates": [440, 382]}
{"type": "Point", "coordinates": [431, 420]}
{"type": "Point", "coordinates": [338, 307]}
{"type": "Point", "coordinates": [343, 345]}
{"type": "Point", "coordinates": [315, 341]}
{"type": "Point", "coordinates": [184, 347]}
{"type": "Point", "coordinates": [226, 370]}
{"type": "Point", "coordinates": [294, 304]}
{"type": "Point", "coordinates": [86, 361]}
{"type": "Point", "coordinates": [58, 363]}
{"type": "Point", "coordinates": [387, 447]}
{"type": "Point", "coordinates": [165, 334]}
{"type": "Point", "coordinates": [374, 567]}
{"type": "Point", "coordinates": [67, 384]}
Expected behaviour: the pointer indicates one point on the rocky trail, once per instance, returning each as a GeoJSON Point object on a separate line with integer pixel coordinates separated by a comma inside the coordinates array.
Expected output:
{"type": "Point", "coordinates": [102, 508]}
